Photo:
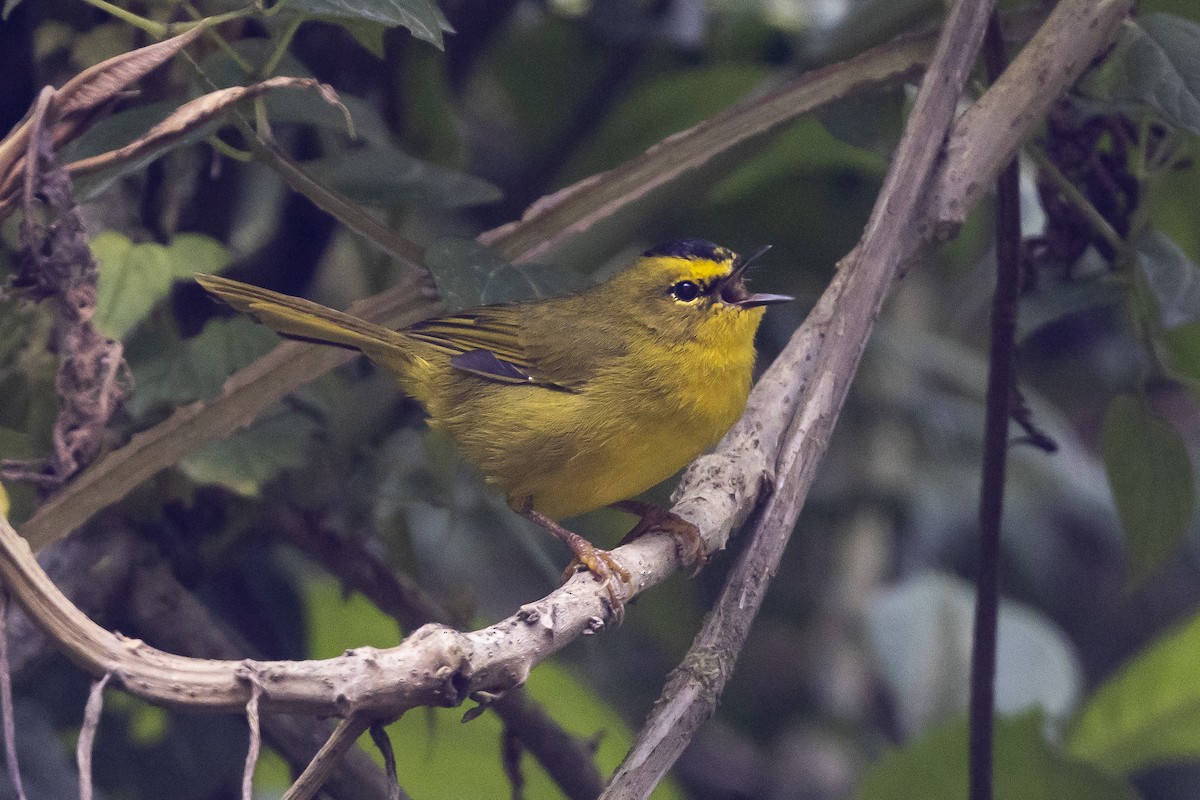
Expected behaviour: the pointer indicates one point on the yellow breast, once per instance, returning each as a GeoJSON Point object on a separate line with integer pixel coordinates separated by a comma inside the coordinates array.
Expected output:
{"type": "Point", "coordinates": [636, 423]}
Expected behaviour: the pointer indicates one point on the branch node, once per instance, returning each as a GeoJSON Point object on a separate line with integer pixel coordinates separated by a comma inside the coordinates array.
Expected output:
{"type": "Point", "coordinates": [540, 614]}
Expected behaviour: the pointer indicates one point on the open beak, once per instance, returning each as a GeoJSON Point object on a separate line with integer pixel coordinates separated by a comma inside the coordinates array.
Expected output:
{"type": "Point", "coordinates": [733, 287]}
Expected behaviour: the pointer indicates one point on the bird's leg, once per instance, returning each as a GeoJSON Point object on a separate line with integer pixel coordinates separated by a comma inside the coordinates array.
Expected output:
{"type": "Point", "coordinates": [688, 541]}
{"type": "Point", "coordinates": [596, 561]}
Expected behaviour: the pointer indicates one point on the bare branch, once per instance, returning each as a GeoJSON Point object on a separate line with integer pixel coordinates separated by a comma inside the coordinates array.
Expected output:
{"type": "Point", "coordinates": [255, 741]}
{"type": "Point", "coordinates": [87, 735]}
{"type": "Point", "coordinates": [344, 736]}
{"type": "Point", "coordinates": [565, 758]}
{"type": "Point", "coordinates": [6, 703]}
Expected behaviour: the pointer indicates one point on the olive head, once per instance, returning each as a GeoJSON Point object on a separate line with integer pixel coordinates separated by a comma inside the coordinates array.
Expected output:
{"type": "Point", "coordinates": [693, 288]}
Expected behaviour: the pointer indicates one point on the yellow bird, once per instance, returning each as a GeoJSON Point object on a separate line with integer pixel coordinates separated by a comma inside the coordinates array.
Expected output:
{"type": "Point", "coordinates": [570, 403]}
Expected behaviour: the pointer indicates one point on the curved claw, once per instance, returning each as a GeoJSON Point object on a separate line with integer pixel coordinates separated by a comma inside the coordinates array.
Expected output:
{"type": "Point", "coordinates": [606, 569]}
{"type": "Point", "coordinates": [689, 543]}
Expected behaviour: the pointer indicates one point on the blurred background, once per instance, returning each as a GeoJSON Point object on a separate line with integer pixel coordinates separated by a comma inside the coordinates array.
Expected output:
{"type": "Point", "coordinates": [864, 641]}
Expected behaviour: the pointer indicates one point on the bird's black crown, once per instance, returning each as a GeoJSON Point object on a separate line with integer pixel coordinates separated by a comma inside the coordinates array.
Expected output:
{"type": "Point", "coordinates": [691, 248]}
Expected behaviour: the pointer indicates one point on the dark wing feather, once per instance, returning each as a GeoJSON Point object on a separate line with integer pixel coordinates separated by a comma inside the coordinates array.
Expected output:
{"type": "Point", "coordinates": [487, 342]}
{"type": "Point", "coordinates": [533, 344]}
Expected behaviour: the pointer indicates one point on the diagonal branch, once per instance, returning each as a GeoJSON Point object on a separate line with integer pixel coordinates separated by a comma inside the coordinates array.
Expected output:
{"type": "Point", "coordinates": [691, 692]}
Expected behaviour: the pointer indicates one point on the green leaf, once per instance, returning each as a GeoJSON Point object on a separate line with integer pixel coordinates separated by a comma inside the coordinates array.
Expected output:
{"type": "Point", "coordinates": [190, 253]}
{"type": "Point", "coordinates": [422, 17]}
{"type": "Point", "coordinates": [246, 459]}
{"type": "Point", "coordinates": [1173, 277]}
{"type": "Point", "coordinates": [470, 274]}
{"type": "Point", "coordinates": [1149, 712]}
{"type": "Point", "coordinates": [1182, 346]}
{"type": "Point", "coordinates": [387, 177]}
{"type": "Point", "coordinates": [1027, 767]}
{"type": "Point", "coordinates": [804, 148]}
{"type": "Point", "coordinates": [133, 277]}
{"type": "Point", "coordinates": [1151, 481]}
{"type": "Point", "coordinates": [182, 371]}
{"type": "Point", "coordinates": [1156, 63]}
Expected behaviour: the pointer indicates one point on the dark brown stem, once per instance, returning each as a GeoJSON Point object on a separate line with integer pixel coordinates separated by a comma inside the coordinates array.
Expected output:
{"type": "Point", "coordinates": [995, 450]}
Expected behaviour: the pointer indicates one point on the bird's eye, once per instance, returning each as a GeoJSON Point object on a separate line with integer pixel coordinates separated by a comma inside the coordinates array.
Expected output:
{"type": "Point", "coordinates": [687, 291]}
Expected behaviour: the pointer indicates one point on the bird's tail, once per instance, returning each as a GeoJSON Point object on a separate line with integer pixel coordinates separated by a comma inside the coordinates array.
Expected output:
{"type": "Point", "coordinates": [301, 319]}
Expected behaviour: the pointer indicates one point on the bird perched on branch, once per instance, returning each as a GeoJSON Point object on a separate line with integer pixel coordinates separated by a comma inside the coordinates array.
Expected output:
{"type": "Point", "coordinates": [571, 403]}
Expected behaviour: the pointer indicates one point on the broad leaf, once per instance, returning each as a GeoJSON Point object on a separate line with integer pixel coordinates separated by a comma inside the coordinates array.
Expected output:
{"type": "Point", "coordinates": [387, 177]}
{"type": "Point", "coordinates": [133, 277]}
{"type": "Point", "coordinates": [422, 17]}
{"type": "Point", "coordinates": [1027, 767]}
{"type": "Point", "coordinates": [1173, 277]}
{"type": "Point", "coordinates": [1149, 712]}
{"type": "Point", "coordinates": [182, 371]}
{"type": "Point", "coordinates": [1151, 481]}
{"type": "Point", "coordinates": [469, 274]}
{"type": "Point", "coordinates": [1156, 63]}
{"type": "Point", "coordinates": [1057, 299]}
{"type": "Point", "coordinates": [247, 458]}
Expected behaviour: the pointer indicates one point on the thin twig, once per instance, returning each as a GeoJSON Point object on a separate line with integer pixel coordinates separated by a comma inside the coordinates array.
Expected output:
{"type": "Point", "coordinates": [1001, 370]}
{"type": "Point", "coordinates": [87, 735]}
{"type": "Point", "coordinates": [6, 702]}
{"type": "Point", "coordinates": [255, 740]}
{"type": "Point", "coordinates": [327, 758]}
{"type": "Point", "coordinates": [379, 736]}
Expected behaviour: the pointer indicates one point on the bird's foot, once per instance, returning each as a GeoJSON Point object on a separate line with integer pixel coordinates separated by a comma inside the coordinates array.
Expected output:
{"type": "Point", "coordinates": [606, 569]}
{"type": "Point", "coordinates": [587, 556]}
{"type": "Point", "coordinates": [689, 544]}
